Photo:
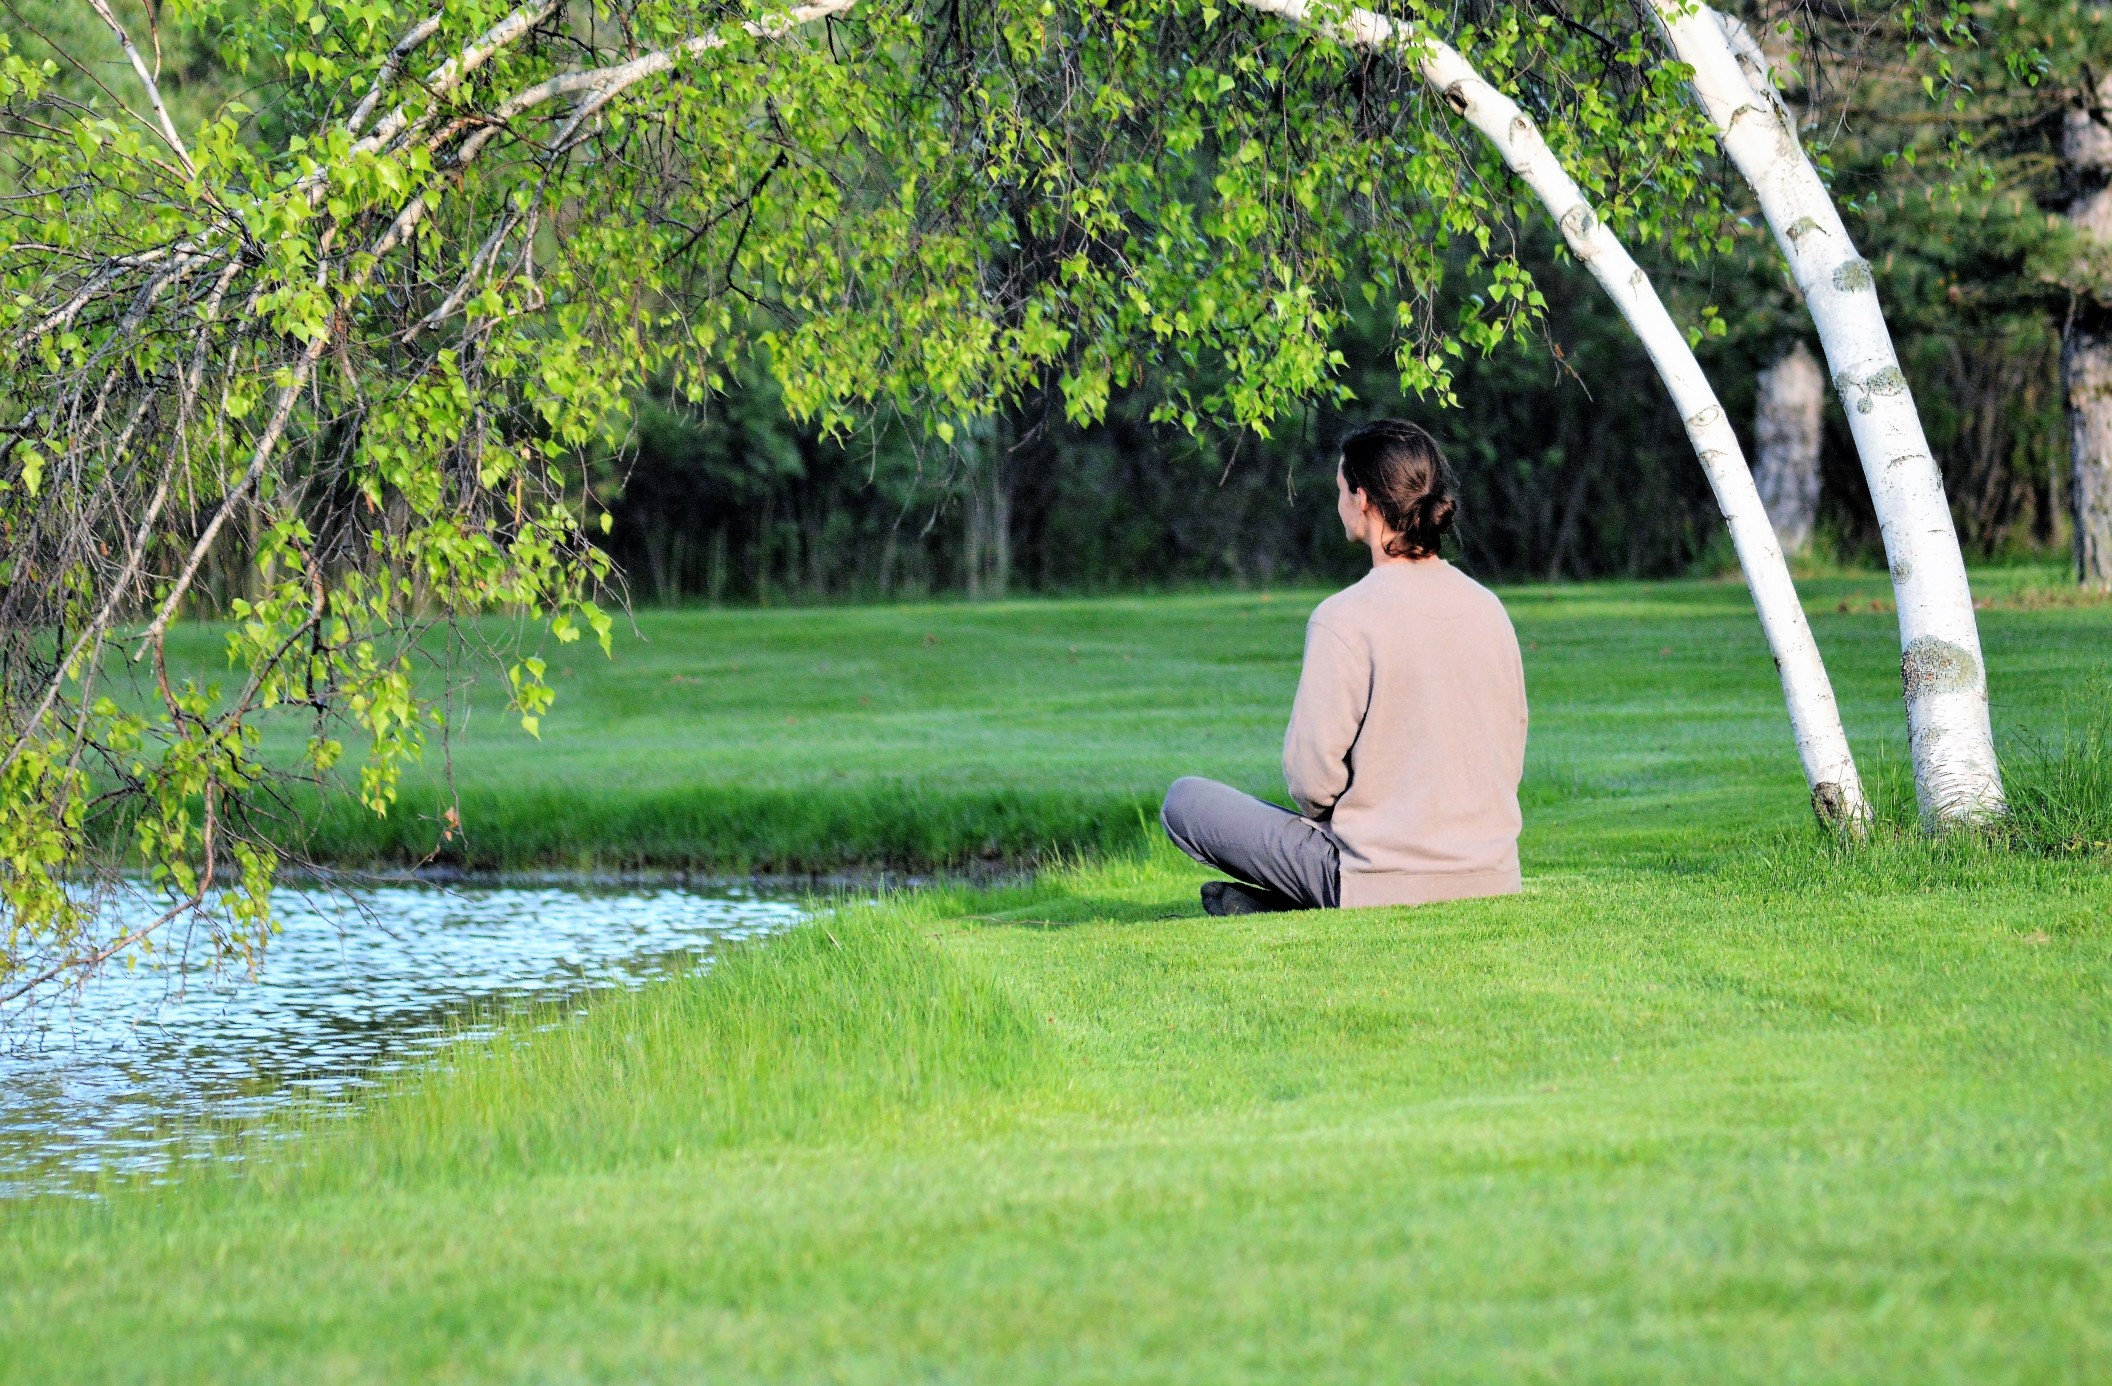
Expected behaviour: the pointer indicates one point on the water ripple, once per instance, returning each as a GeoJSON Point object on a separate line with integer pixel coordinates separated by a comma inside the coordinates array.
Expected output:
{"type": "Point", "coordinates": [358, 985]}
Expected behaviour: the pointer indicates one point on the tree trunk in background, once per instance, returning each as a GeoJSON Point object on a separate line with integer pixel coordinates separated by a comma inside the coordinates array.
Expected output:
{"type": "Point", "coordinates": [766, 534]}
{"type": "Point", "coordinates": [986, 555]}
{"type": "Point", "coordinates": [1942, 671]}
{"type": "Point", "coordinates": [887, 559]}
{"type": "Point", "coordinates": [718, 566]}
{"type": "Point", "coordinates": [1786, 430]}
{"type": "Point", "coordinates": [1000, 471]}
{"type": "Point", "coordinates": [1814, 715]}
{"type": "Point", "coordinates": [2086, 344]}
{"type": "Point", "coordinates": [2086, 375]}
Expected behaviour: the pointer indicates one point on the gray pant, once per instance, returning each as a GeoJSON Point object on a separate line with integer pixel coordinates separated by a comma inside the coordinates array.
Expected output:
{"type": "Point", "coordinates": [1254, 842]}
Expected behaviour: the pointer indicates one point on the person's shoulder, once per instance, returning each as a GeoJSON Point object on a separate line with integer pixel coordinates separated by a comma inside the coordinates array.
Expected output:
{"type": "Point", "coordinates": [1333, 613]}
{"type": "Point", "coordinates": [1344, 614]}
{"type": "Point", "coordinates": [1450, 596]}
{"type": "Point", "coordinates": [1462, 587]}
{"type": "Point", "coordinates": [1337, 605]}
{"type": "Point", "coordinates": [1480, 605]}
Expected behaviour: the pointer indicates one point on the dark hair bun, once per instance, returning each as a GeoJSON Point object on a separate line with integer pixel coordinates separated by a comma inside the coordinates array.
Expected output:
{"type": "Point", "coordinates": [1400, 470]}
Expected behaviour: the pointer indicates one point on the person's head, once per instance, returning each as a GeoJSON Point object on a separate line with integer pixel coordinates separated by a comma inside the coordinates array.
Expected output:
{"type": "Point", "coordinates": [1394, 490]}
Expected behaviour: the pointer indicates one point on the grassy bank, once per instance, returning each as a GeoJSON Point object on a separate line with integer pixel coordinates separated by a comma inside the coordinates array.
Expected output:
{"type": "Point", "coordinates": [944, 734]}
{"type": "Point", "coordinates": [1710, 1101]}
{"type": "Point", "coordinates": [1716, 1120]}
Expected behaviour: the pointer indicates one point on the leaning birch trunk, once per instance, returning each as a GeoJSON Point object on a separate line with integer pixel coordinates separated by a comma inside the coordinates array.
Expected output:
{"type": "Point", "coordinates": [2086, 341]}
{"type": "Point", "coordinates": [1815, 718]}
{"type": "Point", "coordinates": [1956, 776]}
{"type": "Point", "coordinates": [1788, 417]}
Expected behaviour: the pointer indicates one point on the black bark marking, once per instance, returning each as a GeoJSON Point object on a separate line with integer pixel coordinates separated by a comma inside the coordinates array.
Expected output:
{"type": "Point", "coordinates": [1827, 801]}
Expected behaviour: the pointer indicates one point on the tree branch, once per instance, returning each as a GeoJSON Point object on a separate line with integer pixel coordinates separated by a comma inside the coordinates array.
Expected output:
{"type": "Point", "coordinates": [390, 66]}
{"type": "Point", "coordinates": [146, 79]}
{"type": "Point", "coordinates": [451, 74]}
{"type": "Point", "coordinates": [602, 84]}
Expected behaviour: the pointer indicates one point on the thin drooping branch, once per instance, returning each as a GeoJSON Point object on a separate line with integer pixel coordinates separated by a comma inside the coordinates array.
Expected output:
{"type": "Point", "coordinates": [113, 270]}
{"type": "Point", "coordinates": [470, 275]}
{"type": "Point", "coordinates": [146, 79]}
{"type": "Point", "coordinates": [598, 86]}
{"type": "Point", "coordinates": [93, 633]}
{"type": "Point", "coordinates": [84, 963]}
{"type": "Point", "coordinates": [442, 80]}
{"type": "Point", "coordinates": [238, 494]}
{"type": "Point", "coordinates": [410, 43]}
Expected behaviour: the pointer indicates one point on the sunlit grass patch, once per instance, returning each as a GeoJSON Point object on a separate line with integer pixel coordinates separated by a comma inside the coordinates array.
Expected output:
{"type": "Point", "coordinates": [1718, 1097]}
{"type": "Point", "coordinates": [811, 1034]}
{"type": "Point", "coordinates": [1758, 1120]}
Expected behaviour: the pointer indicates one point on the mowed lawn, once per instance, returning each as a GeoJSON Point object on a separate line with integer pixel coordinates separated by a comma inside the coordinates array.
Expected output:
{"type": "Point", "coordinates": [803, 740]}
{"type": "Point", "coordinates": [1710, 1101]}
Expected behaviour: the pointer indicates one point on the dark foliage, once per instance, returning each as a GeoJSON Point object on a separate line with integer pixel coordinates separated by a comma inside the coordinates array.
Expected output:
{"type": "Point", "coordinates": [1571, 464]}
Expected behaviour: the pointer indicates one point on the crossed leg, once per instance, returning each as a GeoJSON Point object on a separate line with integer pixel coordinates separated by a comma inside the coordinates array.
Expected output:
{"type": "Point", "coordinates": [1271, 848]}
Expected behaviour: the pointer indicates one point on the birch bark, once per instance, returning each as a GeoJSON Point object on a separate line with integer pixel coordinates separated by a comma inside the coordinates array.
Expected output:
{"type": "Point", "coordinates": [1815, 719]}
{"type": "Point", "coordinates": [2086, 342]}
{"type": "Point", "coordinates": [1944, 676]}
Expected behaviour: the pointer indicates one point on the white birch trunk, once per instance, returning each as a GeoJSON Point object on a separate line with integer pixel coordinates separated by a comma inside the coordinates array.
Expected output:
{"type": "Point", "coordinates": [1956, 776]}
{"type": "Point", "coordinates": [1815, 719]}
{"type": "Point", "coordinates": [1788, 423]}
{"type": "Point", "coordinates": [2086, 342]}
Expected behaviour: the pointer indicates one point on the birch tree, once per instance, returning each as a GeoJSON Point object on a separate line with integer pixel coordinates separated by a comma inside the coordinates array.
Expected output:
{"type": "Point", "coordinates": [1943, 672]}
{"type": "Point", "coordinates": [1822, 743]}
{"type": "Point", "coordinates": [1991, 116]}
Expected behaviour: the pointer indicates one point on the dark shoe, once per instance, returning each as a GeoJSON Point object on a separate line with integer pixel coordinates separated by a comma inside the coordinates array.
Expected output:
{"type": "Point", "coordinates": [1230, 897]}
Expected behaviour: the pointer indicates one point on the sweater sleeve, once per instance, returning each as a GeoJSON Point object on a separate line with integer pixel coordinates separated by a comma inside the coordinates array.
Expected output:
{"type": "Point", "coordinates": [1334, 691]}
{"type": "Point", "coordinates": [1524, 716]}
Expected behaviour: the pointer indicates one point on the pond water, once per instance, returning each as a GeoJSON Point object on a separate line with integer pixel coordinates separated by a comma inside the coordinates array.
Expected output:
{"type": "Point", "coordinates": [359, 985]}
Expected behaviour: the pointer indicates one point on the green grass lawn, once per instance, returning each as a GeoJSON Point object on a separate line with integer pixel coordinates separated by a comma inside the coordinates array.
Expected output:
{"type": "Point", "coordinates": [1712, 1100]}
{"type": "Point", "coordinates": [801, 740]}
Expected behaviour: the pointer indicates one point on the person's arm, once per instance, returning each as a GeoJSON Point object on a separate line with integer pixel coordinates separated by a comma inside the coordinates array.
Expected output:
{"type": "Point", "coordinates": [1334, 691]}
{"type": "Point", "coordinates": [1524, 715]}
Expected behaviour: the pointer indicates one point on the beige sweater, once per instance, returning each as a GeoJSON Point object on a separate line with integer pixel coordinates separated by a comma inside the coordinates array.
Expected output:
{"type": "Point", "coordinates": [1408, 737]}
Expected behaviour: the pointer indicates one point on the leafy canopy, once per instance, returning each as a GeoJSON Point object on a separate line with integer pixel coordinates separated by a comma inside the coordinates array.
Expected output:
{"type": "Point", "coordinates": [355, 334]}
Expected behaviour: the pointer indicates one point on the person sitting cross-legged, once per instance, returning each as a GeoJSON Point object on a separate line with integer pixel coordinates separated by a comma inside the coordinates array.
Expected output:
{"type": "Point", "coordinates": [1407, 738]}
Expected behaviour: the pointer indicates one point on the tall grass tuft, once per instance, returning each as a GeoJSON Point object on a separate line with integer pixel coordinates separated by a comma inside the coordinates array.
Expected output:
{"type": "Point", "coordinates": [2060, 811]}
{"type": "Point", "coordinates": [721, 829]}
{"type": "Point", "coordinates": [2060, 791]}
{"type": "Point", "coordinates": [854, 1019]}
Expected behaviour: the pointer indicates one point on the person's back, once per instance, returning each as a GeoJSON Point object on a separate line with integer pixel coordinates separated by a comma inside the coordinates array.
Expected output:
{"type": "Point", "coordinates": [1407, 739]}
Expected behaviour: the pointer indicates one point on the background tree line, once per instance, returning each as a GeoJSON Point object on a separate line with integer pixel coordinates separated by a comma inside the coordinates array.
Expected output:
{"type": "Point", "coordinates": [1979, 211]}
{"type": "Point", "coordinates": [1571, 462]}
